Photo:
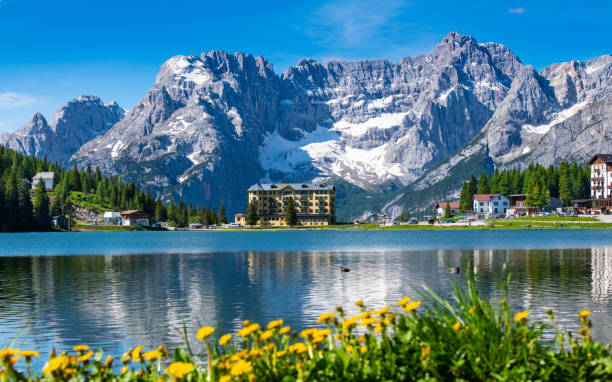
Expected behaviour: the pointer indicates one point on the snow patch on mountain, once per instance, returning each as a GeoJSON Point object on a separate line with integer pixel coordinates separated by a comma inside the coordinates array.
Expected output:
{"type": "Point", "coordinates": [560, 117]}
{"type": "Point", "coordinates": [383, 121]}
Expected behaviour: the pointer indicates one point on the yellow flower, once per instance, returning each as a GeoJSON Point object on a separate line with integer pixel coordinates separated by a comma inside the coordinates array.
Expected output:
{"type": "Point", "coordinates": [7, 353]}
{"type": "Point", "coordinates": [225, 378]}
{"type": "Point", "coordinates": [151, 355]}
{"type": "Point", "coordinates": [244, 332]}
{"type": "Point", "coordinates": [54, 364]}
{"type": "Point", "coordinates": [350, 321]}
{"type": "Point", "coordinates": [281, 353]}
{"type": "Point", "coordinates": [179, 369]}
{"type": "Point", "coordinates": [254, 353]}
{"type": "Point", "coordinates": [224, 339]}
{"type": "Point", "coordinates": [285, 330]}
{"type": "Point", "coordinates": [246, 323]}
{"type": "Point", "coordinates": [307, 332]}
{"type": "Point", "coordinates": [205, 332]}
{"type": "Point", "coordinates": [254, 327]}
{"type": "Point", "coordinates": [404, 301]}
{"type": "Point", "coordinates": [298, 348]}
{"type": "Point", "coordinates": [70, 371]}
{"type": "Point", "coordinates": [109, 360]}
{"type": "Point", "coordinates": [472, 309]}
{"type": "Point", "coordinates": [318, 339]}
{"type": "Point", "coordinates": [521, 316]}
{"type": "Point", "coordinates": [136, 353]}
{"type": "Point", "coordinates": [584, 313]}
{"type": "Point", "coordinates": [363, 349]}
{"type": "Point", "coordinates": [382, 311]}
{"type": "Point", "coordinates": [368, 321]}
{"type": "Point", "coordinates": [412, 306]}
{"type": "Point", "coordinates": [457, 326]}
{"type": "Point", "coordinates": [85, 357]}
{"type": "Point", "coordinates": [29, 354]}
{"type": "Point", "coordinates": [378, 327]}
{"type": "Point", "coordinates": [581, 331]}
{"type": "Point", "coordinates": [81, 348]}
{"type": "Point", "coordinates": [325, 317]}
{"type": "Point", "coordinates": [359, 303]}
{"type": "Point", "coordinates": [124, 369]}
{"type": "Point", "coordinates": [241, 367]}
{"type": "Point", "coordinates": [426, 351]}
{"type": "Point", "coordinates": [266, 335]}
{"type": "Point", "coordinates": [349, 349]}
{"type": "Point", "coordinates": [275, 324]}
{"type": "Point", "coordinates": [323, 332]}
{"type": "Point", "coordinates": [252, 377]}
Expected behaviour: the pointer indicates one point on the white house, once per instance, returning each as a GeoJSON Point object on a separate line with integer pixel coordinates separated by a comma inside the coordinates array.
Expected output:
{"type": "Point", "coordinates": [46, 177]}
{"type": "Point", "coordinates": [488, 206]}
{"type": "Point", "coordinates": [601, 176]}
{"type": "Point", "coordinates": [441, 208]}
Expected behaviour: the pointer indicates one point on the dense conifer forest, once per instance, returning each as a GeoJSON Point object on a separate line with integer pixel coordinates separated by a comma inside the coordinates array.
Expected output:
{"type": "Point", "coordinates": [539, 183]}
{"type": "Point", "coordinates": [23, 209]}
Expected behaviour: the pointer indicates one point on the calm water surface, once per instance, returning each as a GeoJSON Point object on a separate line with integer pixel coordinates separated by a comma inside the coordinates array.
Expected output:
{"type": "Point", "coordinates": [119, 290]}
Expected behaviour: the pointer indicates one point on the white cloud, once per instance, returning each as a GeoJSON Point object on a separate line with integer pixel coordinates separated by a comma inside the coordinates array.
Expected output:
{"type": "Point", "coordinates": [517, 11]}
{"type": "Point", "coordinates": [349, 23]}
{"type": "Point", "coordinates": [11, 100]}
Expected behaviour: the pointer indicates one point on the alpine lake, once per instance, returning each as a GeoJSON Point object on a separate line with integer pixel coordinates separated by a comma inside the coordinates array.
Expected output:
{"type": "Point", "coordinates": [116, 290]}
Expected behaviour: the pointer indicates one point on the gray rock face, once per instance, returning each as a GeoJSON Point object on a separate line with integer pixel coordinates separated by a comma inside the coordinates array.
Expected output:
{"type": "Point", "coordinates": [214, 124]}
{"type": "Point", "coordinates": [561, 113]}
{"type": "Point", "coordinates": [74, 124]}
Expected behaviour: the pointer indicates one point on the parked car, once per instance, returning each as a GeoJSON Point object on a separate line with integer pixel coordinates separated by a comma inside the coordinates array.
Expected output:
{"type": "Point", "coordinates": [235, 225]}
{"type": "Point", "coordinates": [413, 221]}
{"type": "Point", "coordinates": [212, 226]}
{"type": "Point", "coordinates": [448, 221]}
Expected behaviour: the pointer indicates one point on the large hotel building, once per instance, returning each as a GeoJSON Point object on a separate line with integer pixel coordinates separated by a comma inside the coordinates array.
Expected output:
{"type": "Point", "coordinates": [314, 203]}
{"type": "Point", "coordinates": [601, 186]}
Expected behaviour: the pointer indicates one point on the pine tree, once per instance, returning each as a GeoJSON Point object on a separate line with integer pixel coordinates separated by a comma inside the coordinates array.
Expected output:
{"type": "Point", "coordinates": [483, 184]}
{"type": "Point", "coordinates": [447, 211]}
{"type": "Point", "coordinates": [41, 207]}
{"type": "Point", "coordinates": [290, 214]}
{"type": "Point", "coordinates": [222, 215]}
{"type": "Point", "coordinates": [25, 206]}
{"type": "Point", "coordinates": [251, 216]}
{"type": "Point", "coordinates": [462, 203]}
{"type": "Point", "coordinates": [75, 179]}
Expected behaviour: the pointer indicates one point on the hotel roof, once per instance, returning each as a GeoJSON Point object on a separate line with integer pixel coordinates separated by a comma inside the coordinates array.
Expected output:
{"type": "Point", "coordinates": [604, 157]}
{"type": "Point", "coordinates": [294, 186]}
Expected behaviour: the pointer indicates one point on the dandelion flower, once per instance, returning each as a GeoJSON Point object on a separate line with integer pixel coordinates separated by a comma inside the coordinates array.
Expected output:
{"type": "Point", "coordinates": [521, 316]}
{"type": "Point", "coordinates": [404, 301]}
{"type": "Point", "coordinates": [225, 378]}
{"type": "Point", "coordinates": [359, 303]}
{"type": "Point", "coordinates": [285, 330]}
{"type": "Point", "coordinates": [151, 355]}
{"type": "Point", "coordinates": [81, 348]}
{"type": "Point", "coordinates": [28, 354]}
{"type": "Point", "coordinates": [412, 306]}
{"type": "Point", "coordinates": [584, 313]}
{"type": "Point", "coordinates": [349, 349]}
{"type": "Point", "coordinates": [109, 360]}
{"type": "Point", "coordinates": [382, 311]}
{"type": "Point", "coordinates": [179, 369]}
{"type": "Point", "coordinates": [7, 353]}
{"type": "Point", "coordinates": [266, 335]}
{"type": "Point", "coordinates": [275, 324]}
{"type": "Point", "coordinates": [252, 378]}
{"type": "Point", "coordinates": [205, 332]}
{"type": "Point", "coordinates": [323, 332]}
{"type": "Point", "coordinates": [318, 339]}
{"type": "Point", "coordinates": [246, 323]}
{"type": "Point", "coordinates": [136, 353]}
{"type": "Point", "coordinates": [241, 367]}
{"type": "Point", "coordinates": [54, 364]}
{"type": "Point", "coordinates": [281, 353]}
{"type": "Point", "coordinates": [457, 326]}
{"type": "Point", "coordinates": [325, 317]}
{"type": "Point", "coordinates": [307, 332]}
{"type": "Point", "coordinates": [368, 321]}
{"type": "Point", "coordinates": [363, 349]}
{"type": "Point", "coordinates": [224, 339]}
{"type": "Point", "coordinates": [85, 357]}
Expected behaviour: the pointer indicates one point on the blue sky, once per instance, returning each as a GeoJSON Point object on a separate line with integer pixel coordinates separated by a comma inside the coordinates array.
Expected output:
{"type": "Point", "coordinates": [54, 51]}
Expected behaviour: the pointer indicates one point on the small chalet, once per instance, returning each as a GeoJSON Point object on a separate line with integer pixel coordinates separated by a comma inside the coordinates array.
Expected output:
{"type": "Point", "coordinates": [134, 217]}
{"type": "Point", "coordinates": [490, 206]}
{"type": "Point", "coordinates": [441, 207]}
{"type": "Point", "coordinates": [518, 202]}
{"type": "Point", "coordinates": [45, 177]}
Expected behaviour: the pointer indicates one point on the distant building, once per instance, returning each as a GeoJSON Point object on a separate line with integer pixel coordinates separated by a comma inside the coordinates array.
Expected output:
{"type": "Point", "coordinates": [441, 208]}
{"type": "Point", "coordinates": [518, 203]}
{"type": "Point", "coordinates": [59, 221]}
{"type": "Point", "coordinates": [314, 203]}
{"type": "Point", "coordinates": [488, 206]}
{"type": "Point", "coordinates": [195, 226]}
{"type": "Point", "coordinates": [46, 177]}
{"type": "Point", "coordinates": [601, 186]}
{"type": "Point", "coordinates": [134, 217]}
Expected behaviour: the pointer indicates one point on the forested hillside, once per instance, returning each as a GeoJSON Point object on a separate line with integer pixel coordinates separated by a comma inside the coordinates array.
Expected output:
{"type": "Point", "coordinates": [567, 182]}
{"type": "Point", "coordinates": [23, 209]}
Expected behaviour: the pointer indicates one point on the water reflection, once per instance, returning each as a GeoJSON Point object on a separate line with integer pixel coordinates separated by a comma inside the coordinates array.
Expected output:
{"type": "Point", "coordinates": [115, 301]}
